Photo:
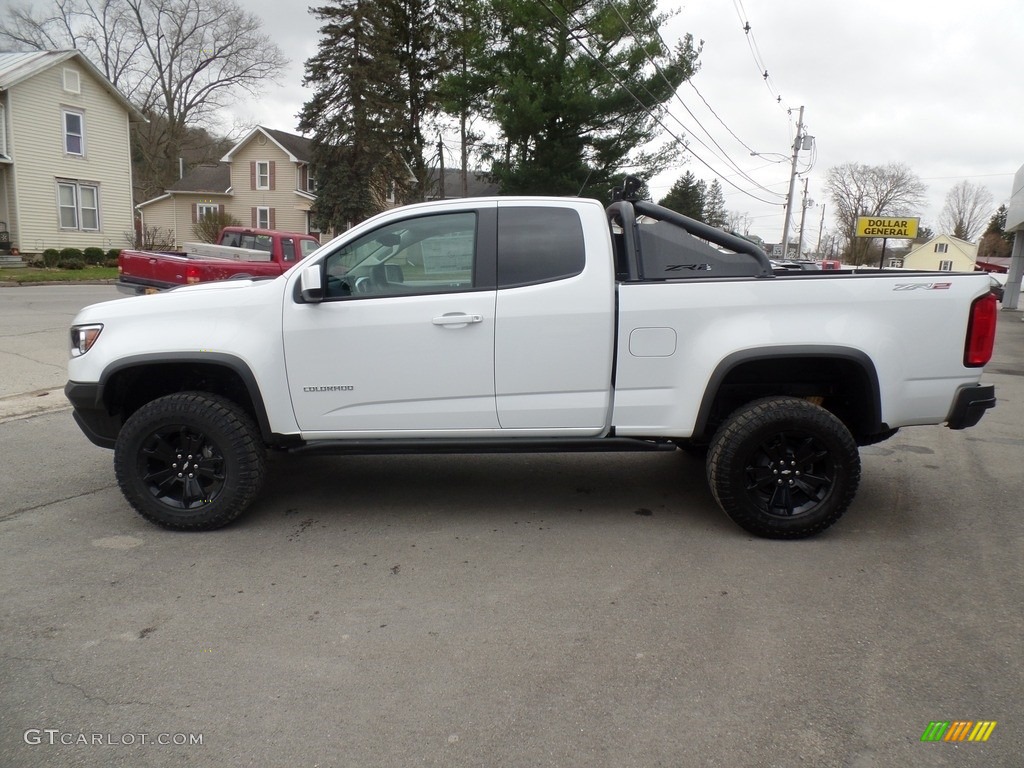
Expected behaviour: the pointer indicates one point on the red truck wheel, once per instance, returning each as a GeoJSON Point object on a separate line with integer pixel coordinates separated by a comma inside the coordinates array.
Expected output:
{"type": "Point", "coordinates": [191, 461]}
{"type": "Point", "coordinates": [783, 468]}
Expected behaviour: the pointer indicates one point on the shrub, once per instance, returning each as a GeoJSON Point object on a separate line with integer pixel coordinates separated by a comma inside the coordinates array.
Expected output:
{"type": "Point", "coordinates": [109, 262]}
{"type": "Point", "coordinates": [93, 255]}
{"type": "Point", "coordinates": [70, 263]}
{"type": "Point", "coordinates": [210, 225]}
{"type": "Point", "coordinates": [112, 254]}
{"type": "Point", "coordinates": [72, 253]}
{"type": "Point", "coordinates": [50, 257]}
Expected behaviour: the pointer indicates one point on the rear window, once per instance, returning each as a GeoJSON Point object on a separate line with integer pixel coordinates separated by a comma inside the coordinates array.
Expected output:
{"type": "Point", "coordinates": [538, 244]}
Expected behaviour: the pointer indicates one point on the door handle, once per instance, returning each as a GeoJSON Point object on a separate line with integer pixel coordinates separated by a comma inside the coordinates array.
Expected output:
{"type": "Point", "coordinates": [457, 318]}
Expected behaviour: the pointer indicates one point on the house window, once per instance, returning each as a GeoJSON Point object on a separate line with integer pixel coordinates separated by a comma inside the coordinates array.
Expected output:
{"type": "Point", "coordinates": [72, 83]}
{"type": "Point", "coordinates": [205, 209]}
{"type": "Point", "coordinates": [262, 174]}
{"type": "Point", "coordinates": [89, 204]}
{"type": "Point", "coordinates": [262, 217]}
{"type": "Point", "coordinates": [945, 266]}
{"type": "Point", "coordinates": [78, 205]}
{"type": "Point", "coordinates": [896, 263]}
{"type": "Point", "coordinates": [941, 247]}
{"type": "Point", "coordinates": [74, 133]}
{"type": "Point", "coordinates": [390, 192]}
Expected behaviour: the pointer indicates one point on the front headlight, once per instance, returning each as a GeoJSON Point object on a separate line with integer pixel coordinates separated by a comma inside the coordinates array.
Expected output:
{"type": "Point", "coordinates": [83, 337]}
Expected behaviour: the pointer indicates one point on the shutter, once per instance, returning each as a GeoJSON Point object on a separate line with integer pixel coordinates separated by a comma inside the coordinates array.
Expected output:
{"type": "Point", "coordinates": [272, 210]}
{"type": "Point", "coordinates": [221, 209]}
{"type": "Point", "coordinates": [272, 164]}
{"type": "Point", "coordinates": [253, 217]}
{"type": "Point", "coordinates": [252, 174]}
{"type": "Point", "coordinates": [195, 212]}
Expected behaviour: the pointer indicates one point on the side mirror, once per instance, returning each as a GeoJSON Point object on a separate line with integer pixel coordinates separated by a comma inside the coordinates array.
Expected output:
{"type": "Point", "coordinates": [311, 285]}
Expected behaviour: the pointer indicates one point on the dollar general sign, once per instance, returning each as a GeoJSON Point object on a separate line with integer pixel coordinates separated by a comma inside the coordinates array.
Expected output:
{"type": "Point", "coordinates": [871, 226]}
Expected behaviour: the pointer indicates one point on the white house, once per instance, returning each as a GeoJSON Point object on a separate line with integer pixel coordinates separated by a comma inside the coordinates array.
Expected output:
{"type": "Point", "coordinates": [65, 157]}
{"type": "Point", "coordinates": [943, 253]}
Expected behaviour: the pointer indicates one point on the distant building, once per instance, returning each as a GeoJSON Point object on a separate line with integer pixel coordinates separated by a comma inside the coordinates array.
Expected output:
{"type": "Point", "coordinates": [263, 181]}
{"type": "Point", "coordinates": [943, 253]}
{"type": "Point", "coordinates": [450, 185]}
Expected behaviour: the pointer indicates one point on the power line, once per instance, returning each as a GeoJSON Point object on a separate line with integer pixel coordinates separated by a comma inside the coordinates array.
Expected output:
{"type": "Point", "coordinates": [636, 98]}
{"type": "Point", "coordinates": [755, 52]}
{"type": "Point", "coordinates": [724, 155]}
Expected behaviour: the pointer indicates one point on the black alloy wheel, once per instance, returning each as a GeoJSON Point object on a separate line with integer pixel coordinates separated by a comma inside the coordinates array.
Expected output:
{"type": "Point", "coordinates": [190, 461]}
{"type": "Point", "coordinates": [784, 468]}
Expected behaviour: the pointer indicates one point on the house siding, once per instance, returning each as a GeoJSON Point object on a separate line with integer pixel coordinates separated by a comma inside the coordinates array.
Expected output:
{"type": "Point", "coordinates": [174, 214]}
{"type": "Point", "coordinates": [289, 208]}
{"type": "Point", "coordinates": [37, 148]}
{"type": "Point", "coordinates": [963, 255]}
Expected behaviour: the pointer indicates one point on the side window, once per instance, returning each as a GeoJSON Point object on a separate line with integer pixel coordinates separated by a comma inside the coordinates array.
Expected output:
{"type": "Point", "coordinates": [537, 245]}
{"type": "Point", "coordinates": [427, 254]}
{"type": "Point", "coordinates": [287, 249]}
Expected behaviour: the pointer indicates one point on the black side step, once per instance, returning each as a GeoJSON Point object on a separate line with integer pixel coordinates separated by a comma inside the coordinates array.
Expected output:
{"type": "Point", "coordinates": [482, 445]}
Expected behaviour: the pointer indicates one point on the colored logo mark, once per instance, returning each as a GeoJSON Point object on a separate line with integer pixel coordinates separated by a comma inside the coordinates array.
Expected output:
{"type": "Point", "coordinates": [958, 730]}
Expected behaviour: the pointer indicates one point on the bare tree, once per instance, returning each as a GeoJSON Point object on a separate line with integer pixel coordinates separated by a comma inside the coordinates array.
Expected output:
{"type": "Point", "coordinates": [738, 222]}
{"type": "Point", "coordinates": [967, 208]}
{"type": "Point", "coordinates": [857, 189]}
{"type": "Point", "coordinates": [181, 62]}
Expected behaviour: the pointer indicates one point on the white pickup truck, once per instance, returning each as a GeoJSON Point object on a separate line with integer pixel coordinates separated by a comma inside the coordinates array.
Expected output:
{"type": "Point", "coordinates": [531, 324]}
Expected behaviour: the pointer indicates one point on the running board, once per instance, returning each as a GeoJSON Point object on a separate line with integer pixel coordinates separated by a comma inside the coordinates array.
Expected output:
{"type": "Point", "coordinates": [483, 445]}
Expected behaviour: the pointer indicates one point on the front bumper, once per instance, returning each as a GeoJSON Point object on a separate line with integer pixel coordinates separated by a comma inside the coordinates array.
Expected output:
{"type": "Point", "coordinates": [91, 414]}
{"type": "Point", "coordinates": [970, 405]}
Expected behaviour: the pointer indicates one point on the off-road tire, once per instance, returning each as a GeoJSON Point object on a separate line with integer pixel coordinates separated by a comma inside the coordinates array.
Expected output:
{"type": "Point", "coordinates": [191, 461]}
{"type": "Point", "coordinates": [783, 468]}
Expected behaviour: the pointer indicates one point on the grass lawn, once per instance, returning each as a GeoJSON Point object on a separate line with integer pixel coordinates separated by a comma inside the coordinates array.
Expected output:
{"type": "Point", "coordinates": [32, 275]}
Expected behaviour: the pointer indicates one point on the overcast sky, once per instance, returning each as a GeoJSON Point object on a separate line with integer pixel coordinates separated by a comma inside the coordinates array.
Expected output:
{"type": "Point", "coordinates": [935, 84]}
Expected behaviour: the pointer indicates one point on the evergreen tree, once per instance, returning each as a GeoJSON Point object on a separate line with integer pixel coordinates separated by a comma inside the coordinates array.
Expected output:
{"type": "Point", "coordinates": [996, 242]}
{"type": "Point", "coordinates": [574, 92]}
{"type": "Point", "coordinates": [686, 196]}
{"type": "Point", "coordinates": [356, 112]}
{"type": "Point", "coordinates": [714, 205]}
{"type": "Point", "coordinates": [465, 34]}
{"type": "Point", "coordinates": [416, 25]}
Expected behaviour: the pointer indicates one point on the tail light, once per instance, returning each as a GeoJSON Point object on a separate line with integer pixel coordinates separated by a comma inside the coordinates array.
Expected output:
{"type": "Point", "coordinates": [191, 275]}
{"type": "Point", "coordinates": [981, 331]}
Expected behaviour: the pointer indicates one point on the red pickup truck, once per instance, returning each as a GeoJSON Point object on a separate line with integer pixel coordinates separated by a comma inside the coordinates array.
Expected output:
{"type": "Point", "coordinates": [240, 252]}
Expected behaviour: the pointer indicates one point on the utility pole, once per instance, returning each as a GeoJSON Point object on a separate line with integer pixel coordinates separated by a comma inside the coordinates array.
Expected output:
{"type": "Point", "coordinates": [821, 227]}
{"type": "Point", "coordinates": [440, 155]}
{"type": "Point", "coordinates": [803, 216]}
{"type": "Point", "coordinates": [792, 183]}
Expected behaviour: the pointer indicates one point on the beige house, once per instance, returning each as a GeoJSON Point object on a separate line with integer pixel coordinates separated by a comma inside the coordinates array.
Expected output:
{"type": "Point", "coordinates": [943, 253]}
{"type": "Point", "coordinates": [65, 158]}
{"type": "Point", "coordinates": [263, 182]}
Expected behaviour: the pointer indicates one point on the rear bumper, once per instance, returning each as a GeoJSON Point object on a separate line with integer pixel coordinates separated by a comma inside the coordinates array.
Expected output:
{"type": "Point", "coordinates": [91, 414]}
{"type": "Point", "coordinates": [139, 286]}
{"type": "Point", "coordinates": [970, 405]}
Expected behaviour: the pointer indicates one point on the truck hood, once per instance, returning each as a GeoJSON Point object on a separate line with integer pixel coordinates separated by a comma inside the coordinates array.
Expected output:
{"type": "Point", "coordinates": [201, 297]}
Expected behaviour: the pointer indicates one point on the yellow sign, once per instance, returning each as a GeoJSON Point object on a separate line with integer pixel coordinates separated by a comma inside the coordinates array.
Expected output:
{"type": "Point", "coordinates": [870, 226]}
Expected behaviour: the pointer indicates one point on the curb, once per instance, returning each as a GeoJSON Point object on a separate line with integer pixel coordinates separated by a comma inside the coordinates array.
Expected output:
{"type": "Point", "coordinates": [32, 283]}
{"type": "Point", "coordinates": [28, 404]}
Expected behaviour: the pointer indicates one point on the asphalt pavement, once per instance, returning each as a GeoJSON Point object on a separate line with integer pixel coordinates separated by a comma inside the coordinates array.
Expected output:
{"type": "Point", "coordinates": [553, 610]}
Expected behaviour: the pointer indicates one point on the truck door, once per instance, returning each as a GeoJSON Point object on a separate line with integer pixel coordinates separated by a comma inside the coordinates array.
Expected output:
{"type": "Point", "coordinates": [554, 330]}
{"type": "Point", "coordinates": [404, 339]}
